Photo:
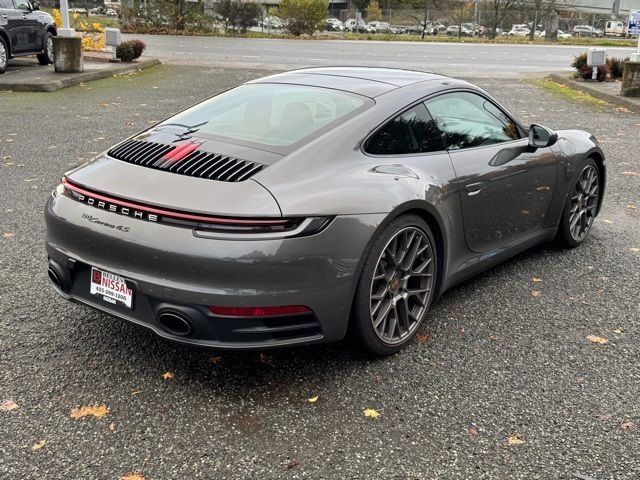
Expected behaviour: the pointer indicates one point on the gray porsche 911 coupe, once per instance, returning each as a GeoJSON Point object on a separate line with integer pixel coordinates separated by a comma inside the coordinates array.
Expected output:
{"type": "Point", "coordinates": [299, 207]}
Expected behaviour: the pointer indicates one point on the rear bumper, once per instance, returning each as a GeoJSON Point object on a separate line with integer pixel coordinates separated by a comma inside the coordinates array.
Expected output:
{"type": "Point", "coordinates": [171, 270]}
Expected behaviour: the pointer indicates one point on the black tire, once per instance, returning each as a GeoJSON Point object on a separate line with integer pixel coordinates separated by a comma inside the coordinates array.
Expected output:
{"type": "Point", "coordinates": [4, 55]}
{"type": "Point", "coordinates": [405, 313]}
{"type": "Point", "coordinates": [46, 57]}
{"type": "Point", "coordinates": [568, 235]}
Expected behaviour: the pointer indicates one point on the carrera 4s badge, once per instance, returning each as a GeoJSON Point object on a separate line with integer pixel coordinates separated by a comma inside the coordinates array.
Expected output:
{"type": "Point", "coordinates": [97, 221]}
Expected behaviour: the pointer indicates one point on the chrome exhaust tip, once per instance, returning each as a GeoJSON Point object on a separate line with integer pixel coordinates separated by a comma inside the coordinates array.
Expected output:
{"type": "Point", "coordinates": [175, 323]}
{"type": "Point", "coordinates": [56, 278]}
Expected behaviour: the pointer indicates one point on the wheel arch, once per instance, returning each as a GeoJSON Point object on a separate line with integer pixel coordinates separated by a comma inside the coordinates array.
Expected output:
{"type": "Point", "coordinates": [430, 215]}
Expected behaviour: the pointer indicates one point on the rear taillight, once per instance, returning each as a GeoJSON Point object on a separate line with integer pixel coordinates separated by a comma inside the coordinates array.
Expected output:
{"type": "Point", "coordinates": [259, 311]}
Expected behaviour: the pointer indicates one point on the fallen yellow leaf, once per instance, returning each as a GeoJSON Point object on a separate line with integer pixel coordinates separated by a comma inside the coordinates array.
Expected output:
{"type": "Point", "coordinates": [112, 427]}
{"type": "Point", "coordinates": [8, 235]}
{"type": "Point", "coordinates": [515, 439]}
{"type": "Point", "coordinates": [536, 293]}
{"type": "Point", "coordinates": [97, 411]}
{"type": "Point", "coordinates": [537, 280]}
{"type": "Point", "coordinates": [132, 476]}
{"type": "Point", "coordinates": [634, 249]}
{"type": "Point", "coordinates": [39, 445]}
{"type": "Point", "coordinates": [313, 399]}
{"type": "Point", "coordinates": [136, 391]}
{"type": "Point", "coordinates": [167, 375]}
{"type": "Point", "coordinates": [8, 405]}
{"type": "Point", "coordinates": [216, 360]}
{"type": "Point", "coordinates": [371, 413]}
{"type": "Point", "coordinates": [617, 331]}
{"type": "Point", "coordinates": [607, 221]}
{"type": "Point", "coordinates": [598, 340]}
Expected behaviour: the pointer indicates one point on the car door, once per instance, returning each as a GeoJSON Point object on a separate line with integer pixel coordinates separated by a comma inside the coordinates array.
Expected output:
{"type": "Point", "coordinates": [24, 28]}
{"type": "Point", "coordinates": [12, 20]}
{"type": "Point", "coordinates": [505, 186]}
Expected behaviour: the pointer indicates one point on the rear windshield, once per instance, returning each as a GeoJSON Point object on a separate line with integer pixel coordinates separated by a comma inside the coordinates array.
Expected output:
{"type": "Point", "coordinates": [277, 115]}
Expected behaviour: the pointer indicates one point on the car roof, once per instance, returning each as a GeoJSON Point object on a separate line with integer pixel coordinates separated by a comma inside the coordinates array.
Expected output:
{"type": "Point", "coordinates": [367, 81]}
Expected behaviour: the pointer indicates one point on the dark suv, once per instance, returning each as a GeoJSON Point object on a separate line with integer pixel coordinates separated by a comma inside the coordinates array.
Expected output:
{"type": "Point", "coordinates": [24, 30]}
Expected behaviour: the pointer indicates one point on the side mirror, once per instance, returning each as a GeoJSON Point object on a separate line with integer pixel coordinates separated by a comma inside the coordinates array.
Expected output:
{"type": "Point", "coordinates": [540, 137]}
{"type": "Point", "coordinates": [35, 5]}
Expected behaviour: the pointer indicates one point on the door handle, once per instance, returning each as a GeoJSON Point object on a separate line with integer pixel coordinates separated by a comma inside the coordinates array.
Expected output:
{"type": "Point", "coordinates": [4, 15]}
{"type": "Point", "coordinates": [474, 188]}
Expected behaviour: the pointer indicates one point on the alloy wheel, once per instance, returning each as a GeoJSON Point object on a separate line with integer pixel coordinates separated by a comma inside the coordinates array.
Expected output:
{"type": "Point", "coordinates": [401, 286]}
{"type": "Point", "coordinates": [584, 203]}
{"type": "Point", "coordinates": [3, 55]}
{"type": "Point", "coordinates": [50, 49]}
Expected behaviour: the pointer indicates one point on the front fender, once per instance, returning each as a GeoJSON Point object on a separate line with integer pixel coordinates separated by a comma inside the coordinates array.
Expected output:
{"type": "Point", "coordinates": [573, 149]}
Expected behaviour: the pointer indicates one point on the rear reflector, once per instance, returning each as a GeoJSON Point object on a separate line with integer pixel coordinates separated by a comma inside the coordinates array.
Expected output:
{"type": "Point", "coordinates": [259, 311]}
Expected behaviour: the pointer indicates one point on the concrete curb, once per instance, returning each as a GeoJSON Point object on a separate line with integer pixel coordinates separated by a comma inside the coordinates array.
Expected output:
{"type": "Point", "coordinates": [629, 103]}
{"type": "Point", "coordinates": [53, 85]}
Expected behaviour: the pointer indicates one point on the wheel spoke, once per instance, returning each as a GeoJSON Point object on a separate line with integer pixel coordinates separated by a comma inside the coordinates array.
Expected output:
{"type": "Point", "coordinates": [393, 322]}
{"type": "Point", "coordinates": [420, 268]}
{"type": "Point", "coordinates": [381, 294]}
{"type": "Point", "coordinates": [384, 313]}
{"type": "Point", "coordinates": [412, 254]}
{"type": "Point", "coordinates": [402, 310]}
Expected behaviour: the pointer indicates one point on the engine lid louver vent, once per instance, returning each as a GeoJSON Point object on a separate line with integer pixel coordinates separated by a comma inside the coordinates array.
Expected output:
{"type": "Point", "coordinates": [185, 159]}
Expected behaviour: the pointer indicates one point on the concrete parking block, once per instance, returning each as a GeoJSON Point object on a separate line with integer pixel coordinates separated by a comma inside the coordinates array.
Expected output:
{"type": "Point", "coordinates": [607, 91]}
{"type": "Point", "coordinates": [26, 75]}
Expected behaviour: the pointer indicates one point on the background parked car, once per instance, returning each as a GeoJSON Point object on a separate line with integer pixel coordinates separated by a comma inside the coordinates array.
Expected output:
{"type": "Point", "coordinates": [519, 32]}
{"type": "Point", "coordinates": [453, 30]}
{"type": "Point", "coordinates": [352, 25]}
{"type": "Point", "coordinates": [271, 21]}
{"type": "Point", "coordinates": [24, 30]}
{"type": "Point", "coordinates": [586, 31]}
{"type": "Point", "coordinates": [561, 35]}
{"type": "Point", "coordinates": [334, 25]}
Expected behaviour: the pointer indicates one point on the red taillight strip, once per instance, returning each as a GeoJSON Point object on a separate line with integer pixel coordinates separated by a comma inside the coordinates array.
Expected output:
{"type": "Point", "coordinates": [169, 213]}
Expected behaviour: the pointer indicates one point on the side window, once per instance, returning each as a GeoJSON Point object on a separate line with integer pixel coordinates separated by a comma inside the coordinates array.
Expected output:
{"type": "Point", "coordinates": [6, 4]}
{"type": "Point", "coordinates": [469, 120]}
{"type": "Point", "coordinates": [410, 132]}
{"type": "Point", "coordinates": [23, 5]}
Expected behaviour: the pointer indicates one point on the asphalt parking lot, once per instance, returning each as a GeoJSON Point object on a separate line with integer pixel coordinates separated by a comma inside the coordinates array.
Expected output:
{"type": "Point", "coordinates": [504, 383]}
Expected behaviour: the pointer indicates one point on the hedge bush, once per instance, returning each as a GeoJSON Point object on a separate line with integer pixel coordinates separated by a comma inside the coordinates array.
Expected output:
{"type": "Point", "coordinates": [614, 68]}
{"type": "Point", "coordinates": [130, 50]}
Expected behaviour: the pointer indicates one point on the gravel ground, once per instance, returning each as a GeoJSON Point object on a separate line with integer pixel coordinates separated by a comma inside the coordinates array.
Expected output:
{"type": "Point", "coordinates": [499, 363]}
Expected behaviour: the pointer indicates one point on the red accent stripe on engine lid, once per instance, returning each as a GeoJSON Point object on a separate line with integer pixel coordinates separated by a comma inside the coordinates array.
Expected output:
{"type": "Point", "coordinates": [181, 152]}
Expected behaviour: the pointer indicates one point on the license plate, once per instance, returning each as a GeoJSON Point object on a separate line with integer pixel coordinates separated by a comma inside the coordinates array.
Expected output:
{"type": "Point", "coordinates": [111, 288]}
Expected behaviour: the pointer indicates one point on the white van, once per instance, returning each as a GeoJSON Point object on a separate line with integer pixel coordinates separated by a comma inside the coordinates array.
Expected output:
{"type": "Point", "coordinates": [615, 28]}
